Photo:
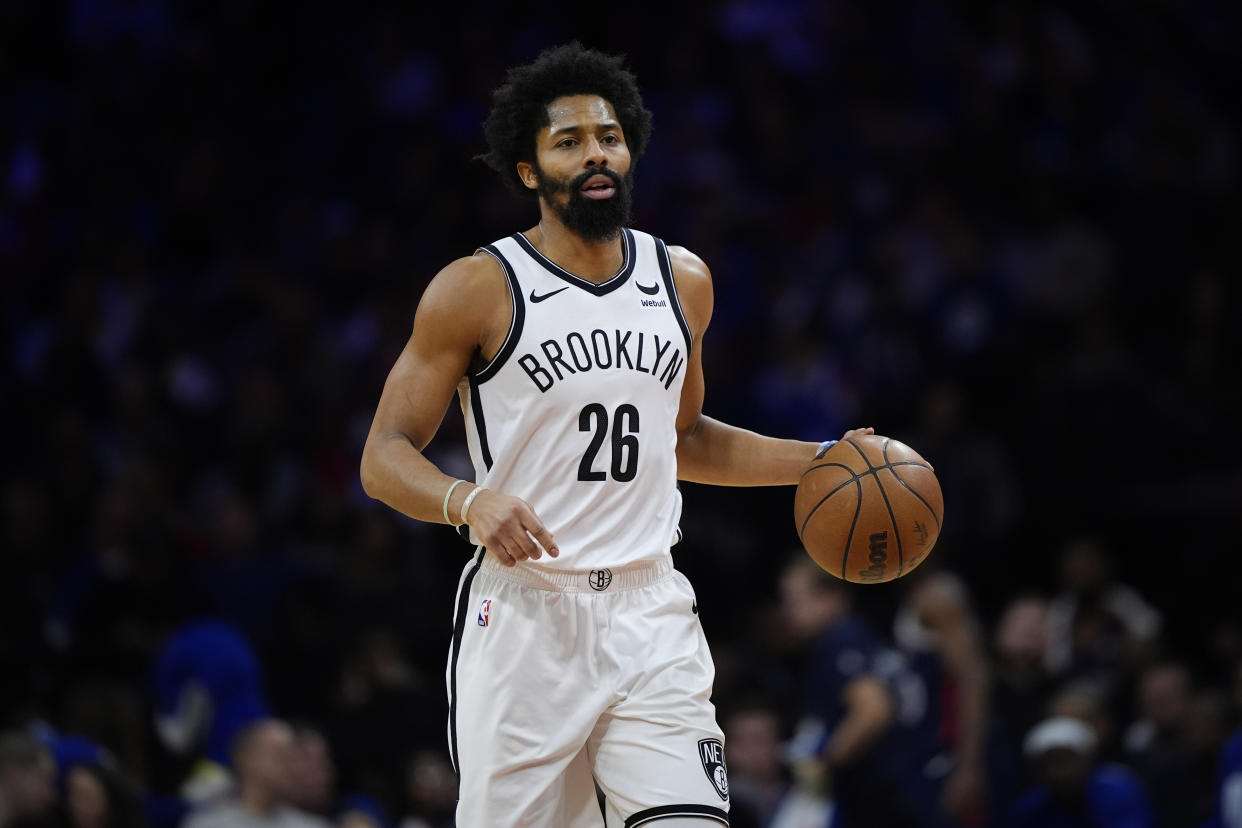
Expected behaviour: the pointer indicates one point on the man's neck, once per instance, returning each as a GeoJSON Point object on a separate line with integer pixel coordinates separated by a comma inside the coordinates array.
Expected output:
{"type": "Point", "coordinates": [594, 261]}
{"type": "Point", "coordinates": [257, 801]}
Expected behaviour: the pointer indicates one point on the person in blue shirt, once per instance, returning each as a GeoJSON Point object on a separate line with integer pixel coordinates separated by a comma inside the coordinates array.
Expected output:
{"type": "Point", "coordinates": [208, 685]}
{"type": "Point", "coordinates": [1228, 810]}
{"type": "Point", "coordinates": [1073, 789]}
{"type": "Point", "coordinates": [846, 705]}
{"type": "Point", "coordinates": [943, 716]}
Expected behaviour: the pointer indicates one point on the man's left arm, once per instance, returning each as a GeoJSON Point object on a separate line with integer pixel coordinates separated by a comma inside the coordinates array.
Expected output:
{"type": "Point", "coordinates": [709, 451]}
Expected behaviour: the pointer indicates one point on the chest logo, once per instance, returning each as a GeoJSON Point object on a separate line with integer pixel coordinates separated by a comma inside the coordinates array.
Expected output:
{"type": "Point", "coordinates": [541, 296]}
{"type": "Point", "coordinates": [650, 290]}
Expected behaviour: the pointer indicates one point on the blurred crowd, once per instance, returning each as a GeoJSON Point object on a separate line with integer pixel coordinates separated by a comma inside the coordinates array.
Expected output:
{"type": "Point", "coordinates": [1003, 233]}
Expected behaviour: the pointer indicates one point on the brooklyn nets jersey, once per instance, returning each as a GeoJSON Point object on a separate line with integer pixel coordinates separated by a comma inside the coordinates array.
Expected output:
{"type": "Point", "coordinates": [577, 412]}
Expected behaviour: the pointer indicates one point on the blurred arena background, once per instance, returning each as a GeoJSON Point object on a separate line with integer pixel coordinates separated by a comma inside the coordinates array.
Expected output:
{"type": "Point", "coordinates": [1004, 233]}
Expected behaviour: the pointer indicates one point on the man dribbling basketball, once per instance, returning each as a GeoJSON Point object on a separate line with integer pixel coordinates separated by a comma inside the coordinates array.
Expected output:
{"type": "Point", "coordinates": [575, 349]}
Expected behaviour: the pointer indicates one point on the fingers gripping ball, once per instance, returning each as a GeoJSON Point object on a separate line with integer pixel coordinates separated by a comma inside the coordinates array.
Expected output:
{"type": "Point", "coordinates": [868, 509]}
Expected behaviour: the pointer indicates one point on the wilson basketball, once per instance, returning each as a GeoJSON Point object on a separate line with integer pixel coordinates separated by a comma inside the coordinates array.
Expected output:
{"type": "Point", "coordinates": [868, 509]}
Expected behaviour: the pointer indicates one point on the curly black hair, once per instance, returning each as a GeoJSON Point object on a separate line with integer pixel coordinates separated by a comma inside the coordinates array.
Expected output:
{"type": "Point", "coordinates": [520, 105]}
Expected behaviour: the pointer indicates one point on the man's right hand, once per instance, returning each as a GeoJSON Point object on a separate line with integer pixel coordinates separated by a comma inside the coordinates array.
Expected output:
{"type": "Point", "coordinates": [509, 528]}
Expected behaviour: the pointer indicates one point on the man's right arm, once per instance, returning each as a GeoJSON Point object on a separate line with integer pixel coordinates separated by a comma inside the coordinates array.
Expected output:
{"type": "Point", "coordinates": [464, 311]}
{"type": "Point", "coordinates": [448, 328]}
{"type": "Point", "coordinates": [869, 712]}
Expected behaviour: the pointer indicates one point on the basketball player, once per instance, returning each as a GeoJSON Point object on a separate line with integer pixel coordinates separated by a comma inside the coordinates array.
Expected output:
{"type": "Point", "coordinates": [575, 348]}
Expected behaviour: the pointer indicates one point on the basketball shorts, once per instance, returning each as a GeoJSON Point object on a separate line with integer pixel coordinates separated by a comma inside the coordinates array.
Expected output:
{"type": "Point", "coordinates": [561, 680]}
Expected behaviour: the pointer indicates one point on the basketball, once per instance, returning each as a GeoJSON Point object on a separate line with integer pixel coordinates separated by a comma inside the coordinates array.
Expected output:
{"type": "Point", "coordinates": [869, 509]}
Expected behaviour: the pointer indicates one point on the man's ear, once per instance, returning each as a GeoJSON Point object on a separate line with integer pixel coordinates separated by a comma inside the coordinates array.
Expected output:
{"type": "Point", "coordinates": [526, 172]}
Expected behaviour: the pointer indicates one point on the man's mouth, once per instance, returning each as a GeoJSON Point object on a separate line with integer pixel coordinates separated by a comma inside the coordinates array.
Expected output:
{"type": "Point", "coordinates": [599, 187]}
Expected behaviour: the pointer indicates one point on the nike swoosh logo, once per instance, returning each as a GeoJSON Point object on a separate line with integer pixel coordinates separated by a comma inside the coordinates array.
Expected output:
{"type": "Point", "coordinates": [650, 291]}
{"type": "Point", "coordinates": [541, 297]}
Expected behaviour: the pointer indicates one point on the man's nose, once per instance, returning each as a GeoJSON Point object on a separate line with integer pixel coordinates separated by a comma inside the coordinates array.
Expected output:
{"type": "Point", "coordinates": [595, 156]}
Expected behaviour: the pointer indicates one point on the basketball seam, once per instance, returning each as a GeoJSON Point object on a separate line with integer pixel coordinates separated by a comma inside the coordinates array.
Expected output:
{"type": "Point", "coordinates": [824, 499]}
{"type": "Point", "coordinates": [914, 491]}
{"type": "Point", "coordinates": [849, 539]}
{"type": "Point", "coordinates": [870, 470]}
{"type": "Point", "coordinates": [892, 519]}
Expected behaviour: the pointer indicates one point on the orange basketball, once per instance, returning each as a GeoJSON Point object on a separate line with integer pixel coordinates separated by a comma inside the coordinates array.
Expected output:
{"type": "Point", "coordinates": [869, 509]}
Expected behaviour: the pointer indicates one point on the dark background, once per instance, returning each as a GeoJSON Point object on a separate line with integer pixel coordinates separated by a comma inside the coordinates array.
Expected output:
{"type": "Point", "coordinates": [1005, 233]}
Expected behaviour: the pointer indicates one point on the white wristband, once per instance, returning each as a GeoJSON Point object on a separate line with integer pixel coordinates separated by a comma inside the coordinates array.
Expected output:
{"type": "Point", "coordinates": [447, 495]}
{"type": "Point", "coordinates": [465, 507]}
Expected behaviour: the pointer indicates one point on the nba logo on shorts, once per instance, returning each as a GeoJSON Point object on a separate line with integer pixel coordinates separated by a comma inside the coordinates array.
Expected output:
{"type": "Point", "coordinates": [711, 751]}
{"type": "Point", "coordinates": [485, 608]}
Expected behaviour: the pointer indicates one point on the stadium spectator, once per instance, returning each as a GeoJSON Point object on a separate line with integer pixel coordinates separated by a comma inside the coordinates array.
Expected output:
{"type": "Point", "coordinates": [938, 631]}
{"type": "Point", "coordinates": [754, 757]}
{"type": "Point", "coordinates": [1098, 627]}
{"type": "Point", "coordinates": [1088, 701]}
{"type": "Point", "coordinates": [1073, 789]}
{"type": "Point", "coordinates": [1227, 803]}
{"type": "Point", "coordinates": [208, 687]}
{"type": "Point", "coordinates": [431, 791]}
{"type": "Point", "coordinates": [1021, 685]}
{"type": "Point", "coordinates": [99, 796]}
{"type": "Point", "coordinates": [313, 772]}
{"type": "Point", "coordinates": [846, 706]}
{"type": "Point", "coordinates": [1157, 746]}
{"type": "Point", "coordinates": [264, 758]}
{"type": "Point", "coordinates": [359, 811]}
{"type": "Point", "coordinates": [27, 781]}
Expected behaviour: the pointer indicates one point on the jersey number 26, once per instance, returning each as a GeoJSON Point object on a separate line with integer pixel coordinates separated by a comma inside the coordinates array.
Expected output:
{"type": "Point", "coordinates": [594, 418]}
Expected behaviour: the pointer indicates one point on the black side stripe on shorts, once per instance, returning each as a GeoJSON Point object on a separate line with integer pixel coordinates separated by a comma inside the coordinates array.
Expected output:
{"type": "Point", "coordinates": [669, 811]}
{"type": "Point", "coordinates": [459, 628]}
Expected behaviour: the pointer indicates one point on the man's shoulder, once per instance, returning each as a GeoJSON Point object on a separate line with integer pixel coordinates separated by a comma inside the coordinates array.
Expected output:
{"type": "Point", "coordinates": [1112, 786]}
{"type": "Point", "coordinates": [287, 817]}
{"type": "Point", "coordinates": [461, 282]}
{"type": "Point", "coordinates": [219, 815]}
{"type": "Point", "coordinates": [686, 263]}
{"type": "Point", "coordinates": [231, 815]}
{"type": "Point", "coordinates": [479, 264]}
{"type": "Point", "coordinates": [694, 287]}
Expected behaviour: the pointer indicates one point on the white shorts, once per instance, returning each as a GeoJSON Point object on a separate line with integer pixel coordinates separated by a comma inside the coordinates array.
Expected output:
{"type": "Point", "coordinates": [557, 678]}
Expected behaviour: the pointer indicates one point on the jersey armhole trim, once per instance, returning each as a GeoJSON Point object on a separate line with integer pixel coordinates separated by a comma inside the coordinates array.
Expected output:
{"type": "Point", "coordinates": [516, 322]}
{"type": "Point", "coordinates": [480, 423]}
{"type": "Point", "coordinates": [666, 271]}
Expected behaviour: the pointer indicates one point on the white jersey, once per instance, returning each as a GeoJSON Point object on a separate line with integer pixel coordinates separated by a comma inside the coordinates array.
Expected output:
{"type": "Point", "coordinates": [577, 412]}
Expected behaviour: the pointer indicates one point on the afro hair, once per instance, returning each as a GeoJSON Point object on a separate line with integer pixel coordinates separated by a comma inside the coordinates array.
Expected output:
{"type": "Point", "coordinates": [520, 105]}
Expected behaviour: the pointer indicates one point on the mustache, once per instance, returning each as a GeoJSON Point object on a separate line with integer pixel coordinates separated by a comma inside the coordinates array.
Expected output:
{"type": "Point", "coordinates": [582, 178]}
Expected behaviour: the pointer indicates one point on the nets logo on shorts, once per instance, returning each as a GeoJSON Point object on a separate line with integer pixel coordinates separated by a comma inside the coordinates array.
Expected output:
{"type": "Point", "coordinates": [600, 579]}
{"type": "Point", "coordinates": [485, 611]}
{"type": "Point", "coordinates": [711, 752]}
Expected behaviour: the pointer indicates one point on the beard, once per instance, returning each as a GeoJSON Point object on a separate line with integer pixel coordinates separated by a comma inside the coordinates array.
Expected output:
{"type": "Point", "coordinates": [595, 220]}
